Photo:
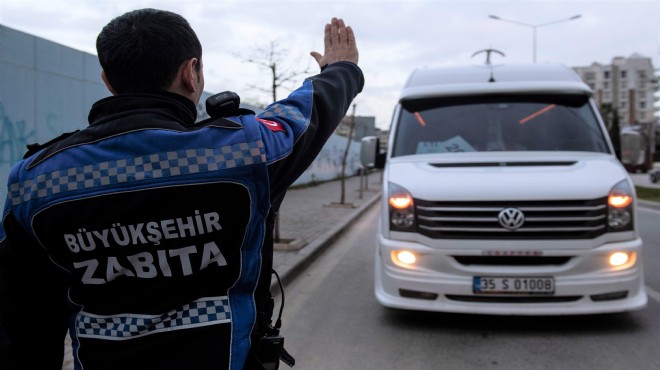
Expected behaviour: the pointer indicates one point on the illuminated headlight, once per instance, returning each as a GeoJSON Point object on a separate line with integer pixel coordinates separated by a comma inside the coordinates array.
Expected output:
{"type": "Point", "coordinates": [620, 207]}
{"type": "Point", "coordinates": [402, 209]}
{"type": "Point", "coordinates": [403, 258]}
{"type": "Point", "coordinates": [620, 260]}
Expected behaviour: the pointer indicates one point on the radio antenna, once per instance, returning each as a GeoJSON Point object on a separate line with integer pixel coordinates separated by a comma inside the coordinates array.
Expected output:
{"type": "Point", "coordinates": [488, 52]}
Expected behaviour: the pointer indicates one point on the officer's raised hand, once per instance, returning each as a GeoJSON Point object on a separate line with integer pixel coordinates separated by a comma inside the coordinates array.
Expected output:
{"type": "Point", "coordinates": [339, 43]}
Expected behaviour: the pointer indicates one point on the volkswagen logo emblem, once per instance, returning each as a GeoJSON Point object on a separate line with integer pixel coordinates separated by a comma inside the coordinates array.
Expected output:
{"type": "Point", "coordinates": [511, 218]}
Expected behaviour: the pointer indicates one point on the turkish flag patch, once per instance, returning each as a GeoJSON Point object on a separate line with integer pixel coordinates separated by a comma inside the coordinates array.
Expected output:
{"type": "Point", "coordinates": [272, 125]}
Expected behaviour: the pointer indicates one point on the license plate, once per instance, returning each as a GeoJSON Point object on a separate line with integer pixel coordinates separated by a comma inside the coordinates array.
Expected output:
{"type": "Point", "coordinates": [513, 285]}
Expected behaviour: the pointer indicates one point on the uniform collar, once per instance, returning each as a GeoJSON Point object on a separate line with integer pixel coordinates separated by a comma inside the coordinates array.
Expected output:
{"type": "Point", "coordinates": [174, 105]}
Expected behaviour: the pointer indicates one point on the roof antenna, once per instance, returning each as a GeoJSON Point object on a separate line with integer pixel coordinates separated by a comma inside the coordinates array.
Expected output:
{"type": "Point", "coordinates": [488, 52]}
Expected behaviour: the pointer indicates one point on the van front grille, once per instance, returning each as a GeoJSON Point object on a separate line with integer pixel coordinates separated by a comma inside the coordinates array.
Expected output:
{"type": "Point", "coordinates": [513, 260]}
{"type": "Point", "coordinates": [572, 219]}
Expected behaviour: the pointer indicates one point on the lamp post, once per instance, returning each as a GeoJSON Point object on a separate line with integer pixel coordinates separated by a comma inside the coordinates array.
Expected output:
{"type": "Point", "coordinates": [534, 27]}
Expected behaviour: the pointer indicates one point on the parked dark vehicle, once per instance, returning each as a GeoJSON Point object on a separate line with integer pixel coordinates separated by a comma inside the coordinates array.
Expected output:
{"type": "Point", "coordinates": [654, 173]}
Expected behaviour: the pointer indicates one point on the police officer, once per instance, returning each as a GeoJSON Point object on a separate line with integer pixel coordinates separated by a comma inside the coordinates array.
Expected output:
{"type": "Point", "coordinates": [146, 236]}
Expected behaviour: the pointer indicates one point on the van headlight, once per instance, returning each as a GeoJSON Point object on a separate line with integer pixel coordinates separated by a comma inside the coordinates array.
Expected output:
{"type": "Point", "coordinates": [402, 208]}
{"type": "Point", "coordinates": [620, 207]}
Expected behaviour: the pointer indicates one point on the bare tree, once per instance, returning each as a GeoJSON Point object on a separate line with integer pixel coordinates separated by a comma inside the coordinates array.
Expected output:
{"type": "Point", "coordinates": [272, 57]}
{"type": "Point", "coordinates": [611, 116]}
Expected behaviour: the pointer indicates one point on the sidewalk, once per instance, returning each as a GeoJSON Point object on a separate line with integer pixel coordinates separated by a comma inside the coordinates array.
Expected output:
{"type": "Point", "coordinates": [310, 215]}
{"type": "Point", "coordinates": [309, 218]}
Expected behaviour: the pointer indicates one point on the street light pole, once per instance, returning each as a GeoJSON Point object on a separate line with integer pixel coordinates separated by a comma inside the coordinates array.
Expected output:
{"type": "Point", "coordinates": [534, 27]}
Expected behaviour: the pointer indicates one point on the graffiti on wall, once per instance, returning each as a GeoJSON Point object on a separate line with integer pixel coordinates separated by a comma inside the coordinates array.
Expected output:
{"type": "Point", "coordinates": [14, 136]}
{"type": "Point", "coordinates": [327, 165]}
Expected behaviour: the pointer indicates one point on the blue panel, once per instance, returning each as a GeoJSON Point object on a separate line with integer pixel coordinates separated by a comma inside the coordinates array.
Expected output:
{"type": "Point", "coordinates": [92, 68]}
{"type": "Point", "coordinates": [17, 116]}
{"type": "Point", "coordinates": [17, 47]}
{"type": "Point", "coordinates": [59, 105]}
{"type": "Point", "coordinates": [58, 59]}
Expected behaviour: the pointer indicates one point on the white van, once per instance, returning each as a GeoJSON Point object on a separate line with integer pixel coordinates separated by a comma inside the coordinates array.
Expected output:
{"type": "Point", "coordinates": [502, 195]}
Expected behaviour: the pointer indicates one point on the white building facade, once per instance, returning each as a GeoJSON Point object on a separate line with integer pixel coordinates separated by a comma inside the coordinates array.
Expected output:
{"type": "Point", "coordinates": [628, 84]}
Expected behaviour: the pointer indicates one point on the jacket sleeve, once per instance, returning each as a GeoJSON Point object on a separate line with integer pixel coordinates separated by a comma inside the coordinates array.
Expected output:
{"type": "Point", "coordinates": [33, 309]}
{"type": "Point", "coordinates": [320, 105]}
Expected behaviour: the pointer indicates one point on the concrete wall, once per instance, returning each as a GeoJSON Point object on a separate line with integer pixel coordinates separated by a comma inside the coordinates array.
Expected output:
{"type": "Point", "coordinates": [47, 89]}
{"type": "Point", "coordinates": [327, 166]}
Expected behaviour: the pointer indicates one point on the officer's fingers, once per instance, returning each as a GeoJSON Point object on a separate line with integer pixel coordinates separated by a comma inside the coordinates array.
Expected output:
{"type": "Point", "coordinates": [350, 36]}
{"type": "Point", "coordinates": [317, 56]}
{"type": "Point", "coordinates": [327, 42]}
{"type": "Point", "coordinates": [341, 28]}
{"type": "Point", "coordinates": [334, 32]}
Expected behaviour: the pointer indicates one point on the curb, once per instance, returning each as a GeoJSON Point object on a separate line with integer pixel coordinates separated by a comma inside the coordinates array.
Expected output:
{"type": "Point", "coordinates": [648, 204]}
{"type": "Point", "coordinates": [315, 248]}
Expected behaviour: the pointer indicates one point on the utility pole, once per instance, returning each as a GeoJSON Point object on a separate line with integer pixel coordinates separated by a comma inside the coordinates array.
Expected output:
{"type": "Point", "coordinates": [345, 157]}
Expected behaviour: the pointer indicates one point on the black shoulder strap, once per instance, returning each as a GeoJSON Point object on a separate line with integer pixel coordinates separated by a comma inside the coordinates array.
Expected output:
{"type": "Point", "coordinates": [35, 147]}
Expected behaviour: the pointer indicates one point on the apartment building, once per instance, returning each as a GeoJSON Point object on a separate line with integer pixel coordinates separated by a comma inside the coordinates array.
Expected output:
{"type": "Point", "coordinates": [628, 84]}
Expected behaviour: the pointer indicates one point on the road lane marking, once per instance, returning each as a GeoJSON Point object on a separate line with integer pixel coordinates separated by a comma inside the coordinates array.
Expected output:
{"type": "Point", "coordinates": [647, 208]}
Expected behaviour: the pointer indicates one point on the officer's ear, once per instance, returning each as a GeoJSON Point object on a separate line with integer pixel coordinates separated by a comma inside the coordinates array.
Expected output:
{"type": "Point", "coordinates": [189, 80]}
{"type": "Point", "coordinates": [191, 75]}
{"type": "Point", "coordinates": [107, 83]}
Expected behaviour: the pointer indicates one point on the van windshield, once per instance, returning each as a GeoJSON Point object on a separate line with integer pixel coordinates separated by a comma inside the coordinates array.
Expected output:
{"type": "Point", "coordinates": [498, 123]}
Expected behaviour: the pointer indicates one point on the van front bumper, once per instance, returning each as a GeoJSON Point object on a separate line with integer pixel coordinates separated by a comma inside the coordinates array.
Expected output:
{"type": "Point", "coordinates": [441, 281]}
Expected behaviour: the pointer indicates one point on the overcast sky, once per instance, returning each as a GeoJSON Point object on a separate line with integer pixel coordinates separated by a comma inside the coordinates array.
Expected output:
{"type": "Point", "coordinates": [394, 37]}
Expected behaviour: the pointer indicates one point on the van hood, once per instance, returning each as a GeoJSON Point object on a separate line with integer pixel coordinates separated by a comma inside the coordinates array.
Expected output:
{"type": "Point", "coordinates": [507, 175]}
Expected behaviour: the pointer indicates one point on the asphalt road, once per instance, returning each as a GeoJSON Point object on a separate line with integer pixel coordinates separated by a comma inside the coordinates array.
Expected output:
{"type": "Point", "coordinates": [332, 321]}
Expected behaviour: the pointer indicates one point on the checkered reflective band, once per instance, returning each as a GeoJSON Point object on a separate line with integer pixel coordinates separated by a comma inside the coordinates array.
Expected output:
{"type": "Point", "coordinates": [284, 111]}
{"type": "Point", "coordinates": [152, 166]}
{"type": "Point", "coordinates": [203, 312]}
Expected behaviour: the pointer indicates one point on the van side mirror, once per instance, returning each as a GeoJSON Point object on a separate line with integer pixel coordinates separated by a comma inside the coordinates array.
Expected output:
{"type": "Point", "coordinates": [380, 160]}
{"type": "Point", "coordinates": [370, 154]}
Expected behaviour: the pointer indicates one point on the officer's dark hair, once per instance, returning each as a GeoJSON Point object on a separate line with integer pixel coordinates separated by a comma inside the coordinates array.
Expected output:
{"type": "Point", "coordinates": [142, 50]}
